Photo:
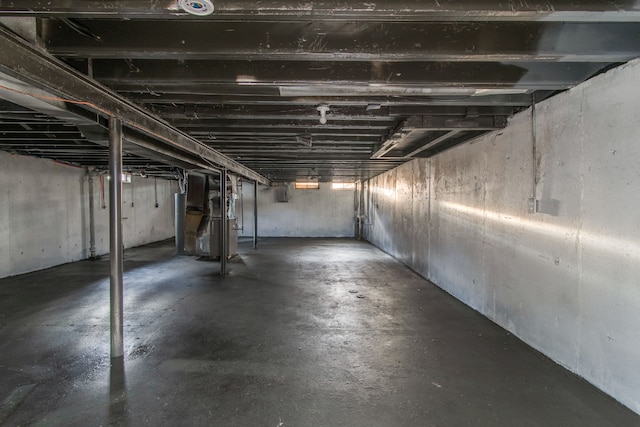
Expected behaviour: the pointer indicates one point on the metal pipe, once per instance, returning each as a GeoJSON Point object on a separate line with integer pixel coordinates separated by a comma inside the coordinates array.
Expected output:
{"type": "Point", "coordinates": [115, 235]}
{"type": "Point", "coordinates": [92, 219]}
{"type": "Point", "coordinates": [133, 190]}
{"type": "Point", "coordinates": [356, 212]}
{"type": "Point", "coordinates": [533, 201]}
{"type": "Point", "coordinates": [181, 213]}
{"type": "Point", "coordinates": [362, 207]}
{"type": "Point", "coordinates": [186, 159]}
{"type": "Point", "coordinates": [255, 214]}
{"type": "Point", "coordinates": [241, 191]}
{"type": "Point", "coordinates": [155, 191]}
{"type": "Point", "coordinates": [223, 223]}
{"type": "Point", "coordinates": [533, 146]}
{"type": "Point", "coordinates": [430, 197]}
{"type": "Point", "coordinates": [358, 195]}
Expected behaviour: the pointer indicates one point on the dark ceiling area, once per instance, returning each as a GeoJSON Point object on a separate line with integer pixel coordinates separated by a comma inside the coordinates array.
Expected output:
{"type": "Point", "coordinates": [286, 90]}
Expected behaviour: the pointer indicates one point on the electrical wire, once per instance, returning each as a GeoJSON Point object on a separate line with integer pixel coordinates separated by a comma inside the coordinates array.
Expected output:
{"type": "Point", "coordinates": [55, 98]}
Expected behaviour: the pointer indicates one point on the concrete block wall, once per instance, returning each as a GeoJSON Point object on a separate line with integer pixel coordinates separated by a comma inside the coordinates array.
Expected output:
{"type": "Point", "coordinates": [44, 214]}
{"type": "Point", "coordinates": [566, 280]}
{"type": "Point", "coordinates": [307, 213]}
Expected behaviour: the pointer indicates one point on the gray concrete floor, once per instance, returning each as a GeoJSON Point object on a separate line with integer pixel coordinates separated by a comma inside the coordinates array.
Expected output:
{"type": "Point", "coordinates": [285, 340]}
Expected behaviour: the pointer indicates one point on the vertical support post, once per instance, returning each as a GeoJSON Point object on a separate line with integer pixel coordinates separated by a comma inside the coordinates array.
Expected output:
{"type": "Point", "coordinates": [224, 238]}
{"type": "Point", "coordinates": [429, 198]}
{"type": "Point", "coordinates": [115, 235]}
{"type": "Point", "coordinates": [361, 209]}
{"type": "Point", "coordinates": [181, 214]}
{"type": "Point", "coordinates": [92, 218]}
{"type": "Point", "coordinates": [358, 197]}
{"type": "Point", "coordinates": [255, 215]}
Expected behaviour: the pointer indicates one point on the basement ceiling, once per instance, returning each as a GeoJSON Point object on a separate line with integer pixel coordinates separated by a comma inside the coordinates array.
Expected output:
{"type": "Point", "coordinates": [335, 91]}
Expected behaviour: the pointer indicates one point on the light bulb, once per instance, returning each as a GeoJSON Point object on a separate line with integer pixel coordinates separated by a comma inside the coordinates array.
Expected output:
{"type": "Point", "coordinates": [197, 7]}
{"type": "Point", "coordinates": [323, 113]}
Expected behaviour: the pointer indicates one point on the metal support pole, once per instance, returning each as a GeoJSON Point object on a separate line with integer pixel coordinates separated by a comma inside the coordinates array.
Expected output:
{"type": "Point", "coordinates": [255, 215]}
{"type": "Point", "coordinates": [224, 238]}
{"type": "Point", "coordinates": [181, 214]}
{"type": "Point", "coordinates": [358, 196]}
{"type": "Point", "coordinates": [115, 235]}
{"type": "Point", "coordinates": [92, 219]}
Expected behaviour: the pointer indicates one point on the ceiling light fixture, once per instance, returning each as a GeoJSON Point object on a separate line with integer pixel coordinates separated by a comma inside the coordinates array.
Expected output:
{"type": "Point", "coordinates": [323, 108]}
{"type": "Point", "coordinates": [197, 7]}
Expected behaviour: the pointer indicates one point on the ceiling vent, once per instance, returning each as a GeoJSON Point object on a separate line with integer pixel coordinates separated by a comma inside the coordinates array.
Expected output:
{"type": "Point", "coordinates": [197, 7]}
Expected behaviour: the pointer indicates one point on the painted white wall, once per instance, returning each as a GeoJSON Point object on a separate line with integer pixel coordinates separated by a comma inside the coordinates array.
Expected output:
{"type": "Point", "coordinates": [566, 280]}
{"type": "Point", "coordinates": [142, 222]}
{"type": "Point", "coordinates": [308, 213]}
{"type": "Point", "coordinates": [44, 214]}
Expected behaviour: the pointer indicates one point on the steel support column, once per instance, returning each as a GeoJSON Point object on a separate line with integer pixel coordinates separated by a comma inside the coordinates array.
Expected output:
{"type": "Point", "coordinates": [224, 238]}
{"type": "Point", "coordinates": [181, 213]}
{"type": "Point", "coordinates": [115, 235]}
{"type": "Point", "coordinates": [358, 202]}
{"type": "Point", "coordinates": [255, 215]}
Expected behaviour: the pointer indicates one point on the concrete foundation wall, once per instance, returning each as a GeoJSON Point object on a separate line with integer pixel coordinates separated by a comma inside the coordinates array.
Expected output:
{"type": "Point", "coordinates": [566, 280]}
{"type": "Point", "coordinates": [307, 213]}
{"type": "Point", "coordinates": [44, 214]}
{"type": "Point", "coordinates": [143, 222]}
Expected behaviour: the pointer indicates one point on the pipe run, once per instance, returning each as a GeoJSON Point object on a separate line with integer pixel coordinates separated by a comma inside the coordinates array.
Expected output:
{"type": "Point", "coordinates": [92, 218]}
{"type": "Point", "coordinates": [533, 201]}
{"type": "Point", "coordinates": [180, 219]}
{"type": "Point", "coordinates": [224, 238]}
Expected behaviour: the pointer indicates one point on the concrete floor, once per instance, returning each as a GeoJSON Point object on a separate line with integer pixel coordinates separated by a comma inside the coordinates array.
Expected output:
{"type": "Point", "coordinates": [285, 340]}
